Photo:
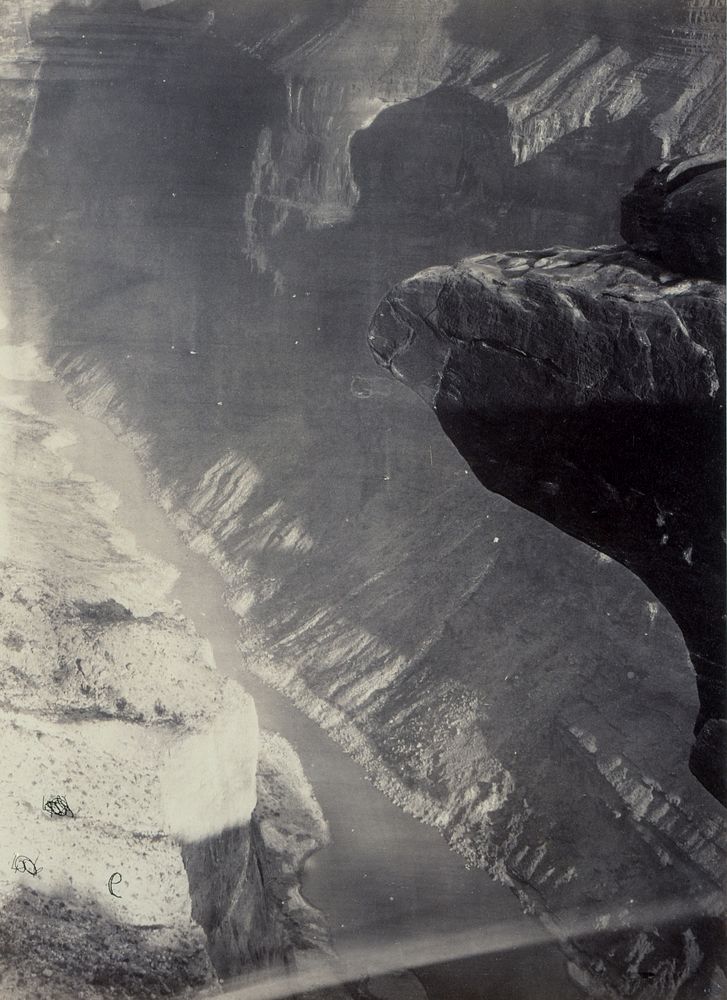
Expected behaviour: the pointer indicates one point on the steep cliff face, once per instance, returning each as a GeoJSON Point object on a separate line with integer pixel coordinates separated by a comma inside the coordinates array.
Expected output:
{"type": "Point", "coordinates": [587, 386]}
{"type": "Point", "coordinates": [486, 732]}
{"type": "Point", "coordinates": [568, 80]}
{"type": "Point", "coordinates": [19, 68]}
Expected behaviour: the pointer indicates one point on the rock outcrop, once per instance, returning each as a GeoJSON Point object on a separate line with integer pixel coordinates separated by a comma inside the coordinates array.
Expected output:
{"type": "Point", "coordinates": [82, 720]}
{"type": "Point", "coordinates": [675, 215]}
{"type": "Point", "coordinates": [586, 385]}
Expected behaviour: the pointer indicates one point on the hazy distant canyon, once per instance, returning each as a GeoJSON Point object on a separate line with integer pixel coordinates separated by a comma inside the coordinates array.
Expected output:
{"type": "Point", "coordinates": [204, 204]}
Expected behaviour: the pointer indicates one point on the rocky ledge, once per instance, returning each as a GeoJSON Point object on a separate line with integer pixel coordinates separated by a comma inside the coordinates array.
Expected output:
{"type": "Point", "coordinates": [118, 794]}
{"type": "Point", "coordinates": [675, 214]}
{"type": "Point", "coordinates": [586, 386]}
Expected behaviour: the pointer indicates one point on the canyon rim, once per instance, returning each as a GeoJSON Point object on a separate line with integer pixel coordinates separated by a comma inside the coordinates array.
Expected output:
{"type": "Point", "coordinates": [363, 498]}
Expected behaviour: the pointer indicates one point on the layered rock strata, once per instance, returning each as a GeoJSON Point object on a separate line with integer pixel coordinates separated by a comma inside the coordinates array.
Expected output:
{"type": "Point", "coordinates": [326, 510]}
{"type": "Point", "coordinates": [583, 86]}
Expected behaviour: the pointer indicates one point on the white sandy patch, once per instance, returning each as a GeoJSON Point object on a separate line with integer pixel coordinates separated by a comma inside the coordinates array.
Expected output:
{"type": "Point", "coordinates": [105, 770]}
{"type": "Point", "coordinates": [23, 363]}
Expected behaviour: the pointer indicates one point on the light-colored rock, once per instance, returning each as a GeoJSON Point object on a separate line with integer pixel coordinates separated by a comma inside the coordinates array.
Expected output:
{"type": "Point", "coordinates": [125, 717]}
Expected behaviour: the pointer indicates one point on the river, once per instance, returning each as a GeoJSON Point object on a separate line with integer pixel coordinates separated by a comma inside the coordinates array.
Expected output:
{"type": "Point", "coordinates": [387, 883]}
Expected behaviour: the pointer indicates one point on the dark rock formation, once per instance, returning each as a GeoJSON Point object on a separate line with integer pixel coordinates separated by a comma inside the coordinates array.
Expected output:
{"type": "Point", "coordinates": [585, 385]}
{"type": "Point", "coordinates": [67, 950]}
{"type": "Point", "coordinates": [676, 215]}
{"type": "Point", "coordinates": [232, 903]}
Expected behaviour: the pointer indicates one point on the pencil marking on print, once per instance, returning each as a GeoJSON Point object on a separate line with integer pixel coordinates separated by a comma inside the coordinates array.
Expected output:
{"type": "Point", "coordinates": [114, 880]}
{"type": "Point", "coordinates": [22, 863]}
{"type": "Point", "coordinates": [57, 805]}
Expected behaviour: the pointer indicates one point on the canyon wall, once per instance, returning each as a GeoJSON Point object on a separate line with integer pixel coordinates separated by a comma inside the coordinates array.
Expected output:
{"type": "Point", "coordinates": [599, 89]}
{"type": "Point", "coordinates": [587, 386]}
{"type": "Point", "coordinates": [207, 206]}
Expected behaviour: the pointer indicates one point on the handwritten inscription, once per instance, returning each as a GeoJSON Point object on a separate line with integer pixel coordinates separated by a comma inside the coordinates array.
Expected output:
{"type": "Point", "coordinates": [21, 863]}
{"type": "Point", "coordinates": [115, 879]}
{"type": "Point", "coordinates": [58, 806]}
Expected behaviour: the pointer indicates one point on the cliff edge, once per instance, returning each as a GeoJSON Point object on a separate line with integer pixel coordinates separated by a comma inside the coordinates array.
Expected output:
{"type": "Point", "coordinates": [586, 385]}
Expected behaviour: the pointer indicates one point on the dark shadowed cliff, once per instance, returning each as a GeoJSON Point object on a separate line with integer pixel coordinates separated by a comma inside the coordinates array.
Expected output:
{"type": "Point", "coordinates": [587, 386]}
